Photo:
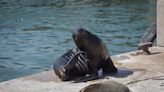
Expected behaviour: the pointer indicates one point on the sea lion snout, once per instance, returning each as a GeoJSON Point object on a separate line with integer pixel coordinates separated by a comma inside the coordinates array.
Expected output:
{"type": "Point", "coordinates": [77, 32]}
{"type": "Point", "coordinates": [80, 33]}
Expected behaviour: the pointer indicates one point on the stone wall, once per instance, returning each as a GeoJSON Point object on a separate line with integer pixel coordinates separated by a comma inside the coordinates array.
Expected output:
{"type": "Point", "coordinates": [160, 23]}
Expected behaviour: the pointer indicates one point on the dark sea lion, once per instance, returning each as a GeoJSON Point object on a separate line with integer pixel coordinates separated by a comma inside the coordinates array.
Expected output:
{"type": "Point", "coordinates": [97, 51]}
{"type": "Point", "coordinates": [84, 62]}
{"type": "Point", "coordinates": [72, 64]}
{"type": "Point", "coordinates": [147, 39]}
{"type": "Point", "coordinates": [107, 86]}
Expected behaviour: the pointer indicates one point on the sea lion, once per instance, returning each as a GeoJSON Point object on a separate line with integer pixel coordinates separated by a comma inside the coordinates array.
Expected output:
{"type": "Point", "coordinates": [148, 39]}
{"type": "Point", "coordinates": [84, 62]}
{"type": "Point", "coordinates": [107, 86]}
{"type": "Point", "coordinates": [72, 64]}
{"type": "Point", "coordinates": [96, 49]}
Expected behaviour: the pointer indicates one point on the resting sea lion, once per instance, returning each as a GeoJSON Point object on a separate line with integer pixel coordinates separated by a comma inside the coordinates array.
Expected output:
{"type": "Point", "coordinates": [148, 39]}
{"type": "Point", "coordinates": [96, 50]}
{"type": "Point", "coordinates": [72, 64]}
{"type": "Point", "coordinates": [107, 86]}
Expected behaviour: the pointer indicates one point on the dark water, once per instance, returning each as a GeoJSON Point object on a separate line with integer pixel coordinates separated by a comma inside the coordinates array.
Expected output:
{"type": "Point", "coordinates": [33, 33]}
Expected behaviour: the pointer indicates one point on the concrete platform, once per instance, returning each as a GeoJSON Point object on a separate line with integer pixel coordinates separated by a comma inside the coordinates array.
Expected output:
{"type": "Point", "coordinates": [141, 73]}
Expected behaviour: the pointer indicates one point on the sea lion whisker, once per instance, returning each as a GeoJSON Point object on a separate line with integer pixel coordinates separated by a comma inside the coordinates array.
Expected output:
{"type": "Point", "coordinates": [67, 57]}
{"type": "Point", "coordinates": [73, 57]}
{"type": "Point", "coordinates": [83, 62]}
{"type": "Point", "coordinates": [82, 57]}
{"type": "Point", "coordinates": [77, 66]}
{"type": "Point", "coordinates": [80, 65]}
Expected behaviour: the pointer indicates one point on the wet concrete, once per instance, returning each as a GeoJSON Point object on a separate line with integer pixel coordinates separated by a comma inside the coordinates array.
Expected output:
{"type": "Point", "coordinates": [141, 73]}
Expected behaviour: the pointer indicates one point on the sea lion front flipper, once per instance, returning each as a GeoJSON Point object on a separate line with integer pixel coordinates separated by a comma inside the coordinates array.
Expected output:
{"type": "Point", "coordinates": [108, 67]}
{"type": "Point", "coordinates": [92, 76]}
{"type": "Point", "coordinates": [73, 60]}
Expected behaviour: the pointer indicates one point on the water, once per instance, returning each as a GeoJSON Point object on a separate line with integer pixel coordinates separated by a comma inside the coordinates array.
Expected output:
{"type": "Point", "coordinates": [33, 33]}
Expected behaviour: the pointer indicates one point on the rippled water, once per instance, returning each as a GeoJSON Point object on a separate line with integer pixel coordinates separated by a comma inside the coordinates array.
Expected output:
{"type": "Point", "coordinates": [33, 33]}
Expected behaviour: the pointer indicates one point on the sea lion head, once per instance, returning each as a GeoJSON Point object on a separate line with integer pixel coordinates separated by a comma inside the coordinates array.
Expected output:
{"type": "Point", "coordinates": [80, 34]}
{"type": "Point", "coordinates": [95, 48]}
{"type": "Point", "coordinates": [88, 42]}
{"type": "Point", "coordinates": [81, 38]}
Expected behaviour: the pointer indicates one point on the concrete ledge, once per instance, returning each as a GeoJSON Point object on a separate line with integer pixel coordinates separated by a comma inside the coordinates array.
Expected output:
{"type": "Point", "coordinates": [141, 73]}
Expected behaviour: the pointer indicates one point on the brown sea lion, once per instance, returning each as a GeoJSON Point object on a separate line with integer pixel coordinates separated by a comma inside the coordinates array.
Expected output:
{"type": "Point", "coordinates": [147, 39]}
{"type": "Point", "coordinates": [84, 62]}
{"type": "Point", "coordinates": [72, 64]}
{"type": "Point", "coordinates": [97, 51]}
{"type": "Point", "coordinates": [107, 86]}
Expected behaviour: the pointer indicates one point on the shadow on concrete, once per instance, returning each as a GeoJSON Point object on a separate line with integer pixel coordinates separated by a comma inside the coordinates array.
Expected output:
{"type": "Point", "coordinates": [123, 73]}
{"type": "Point", "coordinates": [120, 74]}
{"type": "Point", "coordinates": [153, 53]}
